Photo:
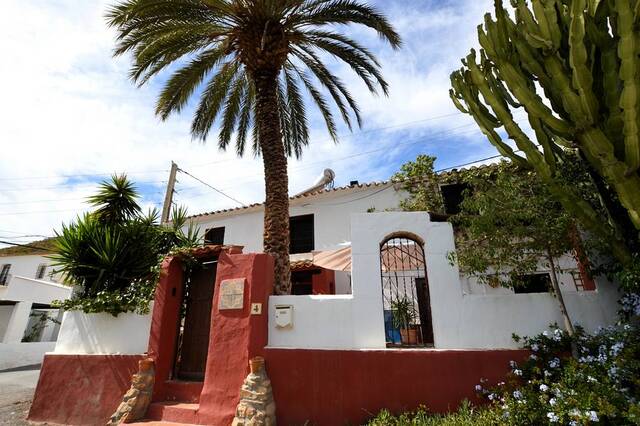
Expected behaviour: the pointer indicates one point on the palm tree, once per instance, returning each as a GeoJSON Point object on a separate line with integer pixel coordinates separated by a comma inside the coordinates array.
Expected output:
{"type": "Point", "coordinates": [249, 60]}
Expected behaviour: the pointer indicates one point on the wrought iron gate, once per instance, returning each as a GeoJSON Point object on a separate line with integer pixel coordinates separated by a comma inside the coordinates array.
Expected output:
{"type": "Point", "coordinates": [405, 293]}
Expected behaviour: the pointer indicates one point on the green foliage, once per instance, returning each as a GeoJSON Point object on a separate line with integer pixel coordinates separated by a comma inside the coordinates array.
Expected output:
{"type": "Point", "coordinates": [421, 182]}
{"type": "Point", "coordinates": [600, 384]}
{"type": "Point", "coordinates": [509, 222]}
{"type": "Point", "coordinates": [112, 254]}
{"type": "Point", "coordinates": [572, 66]}
{"type": "Point", "coordinates": [223, 45]}
{"type": "Point", "coordinates": [465, 416]}
{"type": "Point", "coordinates": [403, 313]}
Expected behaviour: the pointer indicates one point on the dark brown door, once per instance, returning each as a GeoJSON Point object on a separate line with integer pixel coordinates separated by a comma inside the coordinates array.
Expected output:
{"type": "Point", "coordinates": [424, 306]}
{"type": "Point", "coordinates": [197, 324]}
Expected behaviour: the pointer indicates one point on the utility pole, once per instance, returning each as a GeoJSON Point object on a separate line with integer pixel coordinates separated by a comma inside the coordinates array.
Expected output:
{"type": "Point", "coordinates": [168, 198]}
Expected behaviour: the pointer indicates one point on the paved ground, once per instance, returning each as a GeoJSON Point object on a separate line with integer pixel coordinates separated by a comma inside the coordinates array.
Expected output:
{"type": "Point", "coordinates": [16, 391]}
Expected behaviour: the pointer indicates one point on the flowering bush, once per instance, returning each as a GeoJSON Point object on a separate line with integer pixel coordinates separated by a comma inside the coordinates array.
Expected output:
{"type": "Point", "coordinates": [600, 383]}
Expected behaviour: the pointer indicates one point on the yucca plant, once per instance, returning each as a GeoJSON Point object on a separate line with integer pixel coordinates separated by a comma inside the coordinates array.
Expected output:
{"type": "Point", "coordinates": [572, 66]}
{"type": "Point", "coordinates": [115, 247]}
{"type": "Point", "coordinates": [250, 62]}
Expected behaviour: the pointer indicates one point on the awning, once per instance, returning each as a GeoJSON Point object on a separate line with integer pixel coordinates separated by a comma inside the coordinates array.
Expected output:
{"type": "Point", "coordinates": [337, 260]}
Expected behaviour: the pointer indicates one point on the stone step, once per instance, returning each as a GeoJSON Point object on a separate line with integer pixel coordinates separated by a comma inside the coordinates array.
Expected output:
{"type": "Point", "coordinates": [177, 412]}
{"type": "Point", "coordinates": [157, 423]}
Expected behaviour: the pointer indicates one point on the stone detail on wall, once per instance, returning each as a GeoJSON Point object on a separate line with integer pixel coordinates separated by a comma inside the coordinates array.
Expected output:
{"type": "Point", "coordinates": [137, 399]}
{"type": "Point", "coordinates": [256, 406]}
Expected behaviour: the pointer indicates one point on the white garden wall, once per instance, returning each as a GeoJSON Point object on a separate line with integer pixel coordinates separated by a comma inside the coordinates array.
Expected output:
{"type": "Point", "coordinates": [126, 334]}
{"type": "Point", "coordinates": [14, 355]}
{"type": "Point", "coordinates": [460, 320]}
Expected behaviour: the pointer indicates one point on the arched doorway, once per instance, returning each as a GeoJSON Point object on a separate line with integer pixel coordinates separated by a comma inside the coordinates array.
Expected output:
{"type": "Point", "coordinates": [405, 292]}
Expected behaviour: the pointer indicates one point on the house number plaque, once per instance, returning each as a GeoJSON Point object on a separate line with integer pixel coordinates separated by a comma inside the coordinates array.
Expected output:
{"type": "Point", "coordinates": [231, 294]}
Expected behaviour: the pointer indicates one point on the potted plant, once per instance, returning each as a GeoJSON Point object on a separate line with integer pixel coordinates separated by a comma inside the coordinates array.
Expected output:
{"type": "Point", "coordinates": [403, 315]}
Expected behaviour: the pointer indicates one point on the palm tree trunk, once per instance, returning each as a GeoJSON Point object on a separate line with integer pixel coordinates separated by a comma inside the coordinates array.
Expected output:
{"type": "Point", "coordinates": [556, 289]}
{"type": "Point", "coordinates": [276, 209]}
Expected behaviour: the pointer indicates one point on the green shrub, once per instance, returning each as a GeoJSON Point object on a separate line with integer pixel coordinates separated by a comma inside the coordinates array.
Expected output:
{"type": "Point", "coordinates": [112, 255]}
{"type": "Point", "coordinates": [467, 415]}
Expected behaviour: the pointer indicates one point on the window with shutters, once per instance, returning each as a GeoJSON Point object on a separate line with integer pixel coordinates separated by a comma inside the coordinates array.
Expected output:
{"type": "Point", "coordinates": [4, 273]}
{"type": "Point", "coordinates": [42, 268]}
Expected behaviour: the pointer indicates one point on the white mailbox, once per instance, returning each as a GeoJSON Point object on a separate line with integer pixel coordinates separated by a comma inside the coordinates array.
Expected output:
{"type": "Point", "coordinates": [284, 316]}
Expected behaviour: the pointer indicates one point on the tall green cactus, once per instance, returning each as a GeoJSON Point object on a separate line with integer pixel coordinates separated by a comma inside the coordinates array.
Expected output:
{"type": "Point", "coordinates": [574, 67]}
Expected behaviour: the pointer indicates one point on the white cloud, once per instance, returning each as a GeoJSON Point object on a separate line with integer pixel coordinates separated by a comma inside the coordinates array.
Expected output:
{"type": "Point", "coordinates": [68, 109]}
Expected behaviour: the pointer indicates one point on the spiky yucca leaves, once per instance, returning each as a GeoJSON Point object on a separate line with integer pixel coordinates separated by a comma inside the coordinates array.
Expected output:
{"type": "Point", "coordinates": [115, 200]}
{"type": "Point", "coordinates": [253, 60]}
{"type": "Point", "coordinates": [573, 66]}
{"type": "Point", "coordinates": [111, 255]}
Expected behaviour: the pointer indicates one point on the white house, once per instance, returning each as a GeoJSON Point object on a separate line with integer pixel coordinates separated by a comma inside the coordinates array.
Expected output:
{"type": "Point", "coordinates": [29, 325]}
{"type": "Point", "coordinates": [475, 315]}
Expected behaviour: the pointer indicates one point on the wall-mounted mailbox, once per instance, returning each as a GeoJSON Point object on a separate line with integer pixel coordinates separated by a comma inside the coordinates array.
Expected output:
{"type": "Point", "coordinates": [284, 316]}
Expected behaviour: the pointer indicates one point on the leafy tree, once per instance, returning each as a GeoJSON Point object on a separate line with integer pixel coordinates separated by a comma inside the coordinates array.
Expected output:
{"type": "Point", "coordinates": [112, 254]}
{"type": "Point", "coordinates": [253, 59]}
{"type": "Point", "coordinates": [572, 65]}
{"type": "Point", "coordinates": [508, 225]}
{"type": "Point", "coordinates": [421, 182]}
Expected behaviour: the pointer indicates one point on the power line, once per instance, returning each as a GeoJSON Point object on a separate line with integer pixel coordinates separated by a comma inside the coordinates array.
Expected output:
{"type": "Point", "coordinates": [82, 175]}
{"type": "Point", "coordinates": [212, 187]}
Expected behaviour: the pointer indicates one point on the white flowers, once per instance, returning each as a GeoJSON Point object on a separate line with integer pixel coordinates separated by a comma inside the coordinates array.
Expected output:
{"type": "Point", "coordinates": [616, 349]}
{"type": "Point", "coordinates": [478, 388]}
{"type": "Point", "coordinates": [513, 364]}
{"type": "Point", "coordinates": [591, 379]}
{"type": "Point", "coordinates": [554, 363]}
{"type": "Point", "coordinates": [544, 388]}
{"type": "Point", "coordinates": [552, 401]}
{"type": "Point", "coordinates": [593, 416]}
{"type": "Point", "coordinates": [517, 394]}
{"type": "Point", "coordinates": [517, 372]}
{"type": "Point", "coordinates": [553, 417]}
{"type": "Point", "coordinates": [535, 347]}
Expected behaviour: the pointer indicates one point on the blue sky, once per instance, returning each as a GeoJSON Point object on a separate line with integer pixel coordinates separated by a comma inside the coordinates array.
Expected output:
{"type": "Point", "coordinates": [74, 117]}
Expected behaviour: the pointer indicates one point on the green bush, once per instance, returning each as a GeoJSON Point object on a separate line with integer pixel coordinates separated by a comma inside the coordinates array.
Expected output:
{"type": "Point", "coordinates": [467, 415]}
{"type": "Point", "coordinates": [577, 380]}
{"type": "Point", "coordinates": [112, 255]}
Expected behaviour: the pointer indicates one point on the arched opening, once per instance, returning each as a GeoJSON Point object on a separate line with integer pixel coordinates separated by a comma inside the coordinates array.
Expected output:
{"type": "Point", "coordinates": [405, 292]}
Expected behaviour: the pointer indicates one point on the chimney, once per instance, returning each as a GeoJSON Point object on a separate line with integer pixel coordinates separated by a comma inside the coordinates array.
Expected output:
{"type": "Point", "coordinates": [354, 183]}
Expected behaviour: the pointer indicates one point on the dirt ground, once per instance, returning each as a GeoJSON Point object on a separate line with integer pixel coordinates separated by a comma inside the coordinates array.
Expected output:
{"type": "Point", "coordinates": [16, 391]}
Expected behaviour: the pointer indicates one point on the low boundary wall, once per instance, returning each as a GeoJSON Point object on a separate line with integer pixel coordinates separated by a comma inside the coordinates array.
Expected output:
{"type": "Point", "coordinates": [334, 387]}
{"type": "Point", "coordinates": [81, 389]}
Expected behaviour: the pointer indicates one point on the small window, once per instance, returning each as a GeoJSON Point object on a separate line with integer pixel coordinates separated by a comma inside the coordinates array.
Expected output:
{"type": "Point", "coordinates": [301, 234]}
{"type": "Point", "coordinates": [453, 195]}
{"type": "Point", "coordinates": [42, 268]}
{"type": "Point", "coordinates": [214, 236]}
{"type": "Point", "coordinates": [4, 274]}
{"type": "Point", "coordinates": [532, 283]}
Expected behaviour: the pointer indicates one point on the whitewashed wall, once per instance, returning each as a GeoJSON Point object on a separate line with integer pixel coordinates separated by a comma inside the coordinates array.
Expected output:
{"type": "Point", "coordinates": [460, 321]}
{"type": "Point", "coordinates": [126, 334]}
{"type": "Point", "coordinates": [23, 289]}
{"type": "Point", "coordinates": [27, 265]}
{"type": "Point", "coordinates": [332, 216]}
{"type": "Point", "coordinates": [14, 355]}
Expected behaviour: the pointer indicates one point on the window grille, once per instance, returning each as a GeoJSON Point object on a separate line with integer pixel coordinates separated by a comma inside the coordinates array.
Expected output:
{"type": "Point", "coordinates": [301, 234]}
{"type": "Point", "coordinates": [4, 274]}
{"type": "Point", "coordinates": [405, 293]}
{"type": "Point", "coordinates": [41, 270]}
{"type": "Point", "coordinates": [214, 236]}
{"type": "Point", "coordinates": [577, 280]}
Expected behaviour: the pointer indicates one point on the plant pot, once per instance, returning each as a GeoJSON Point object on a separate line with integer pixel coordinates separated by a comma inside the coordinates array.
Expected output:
{"type": "Point", "coordinates": [409, 336]}
{"type": "Point", "coordinates": [256, 364]}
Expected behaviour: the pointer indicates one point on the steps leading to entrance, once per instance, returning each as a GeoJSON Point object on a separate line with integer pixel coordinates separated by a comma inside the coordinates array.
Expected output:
{"type": "Point", "coordinates": [177, 412]}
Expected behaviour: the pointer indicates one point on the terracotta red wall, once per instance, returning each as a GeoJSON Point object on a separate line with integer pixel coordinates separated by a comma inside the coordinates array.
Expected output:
{"type": "Point", "coordinates": [332, 387]}
{"type": "Point", "coordinates": [236, 336]}
{"type": "Point", "coordinates": [81, 389]}
{"type": "Point", "coordinates": [164, 323]}
{"type": "Point", "coordinates": [324, 282]}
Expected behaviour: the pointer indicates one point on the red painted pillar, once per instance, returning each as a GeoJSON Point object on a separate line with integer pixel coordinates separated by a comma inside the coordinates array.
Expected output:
{"type": "Point", "coordinates": [164, 322]}
{"type": "Point", "coordinates": [236, 335]}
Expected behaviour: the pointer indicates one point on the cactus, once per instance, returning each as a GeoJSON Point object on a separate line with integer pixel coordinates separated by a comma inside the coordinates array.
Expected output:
{"type": "Point", "coordinates": [573, 66]}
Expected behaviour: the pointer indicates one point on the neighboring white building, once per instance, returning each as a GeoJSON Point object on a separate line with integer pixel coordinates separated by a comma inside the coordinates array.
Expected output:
{"type": "Point", "coordinates": [29, 325]}
{"type": "Point", "coordinates": [324, 220]}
